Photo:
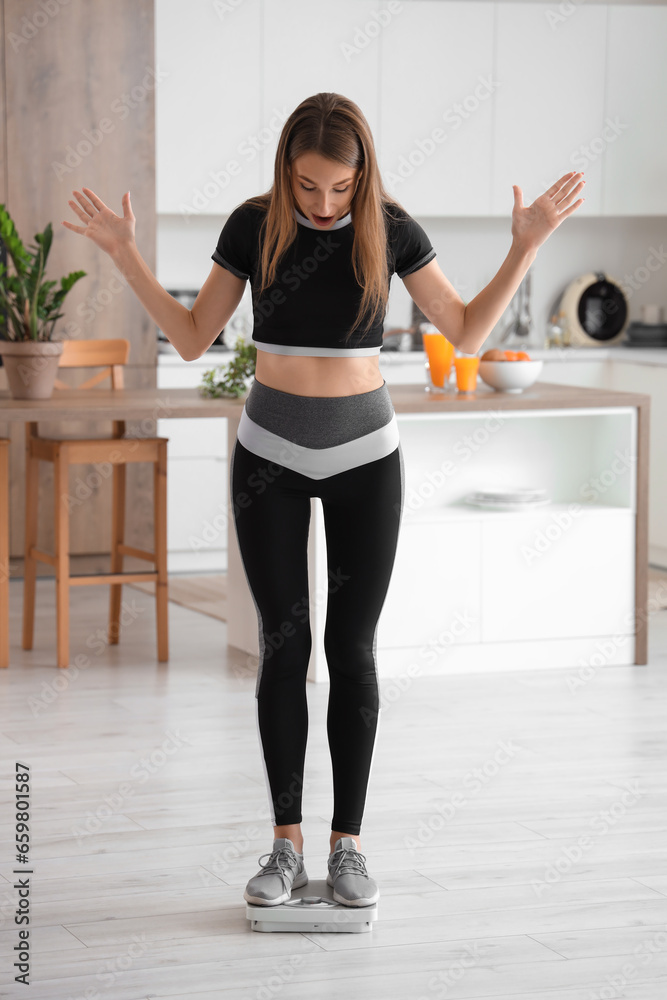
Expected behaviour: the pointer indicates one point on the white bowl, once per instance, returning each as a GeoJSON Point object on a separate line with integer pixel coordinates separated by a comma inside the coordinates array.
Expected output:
{"type": "Point", "coordinates": [510, 376]}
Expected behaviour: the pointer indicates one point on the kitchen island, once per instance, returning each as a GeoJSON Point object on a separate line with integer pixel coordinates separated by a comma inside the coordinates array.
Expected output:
{"type": "Point", "coordinates": [562, 585]}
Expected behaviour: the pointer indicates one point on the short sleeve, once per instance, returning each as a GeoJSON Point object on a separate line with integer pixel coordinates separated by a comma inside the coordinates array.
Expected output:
{"type": "Point", "coordinates": [235, 243]}
{"type": "Point", "coordinates": [411, 247]}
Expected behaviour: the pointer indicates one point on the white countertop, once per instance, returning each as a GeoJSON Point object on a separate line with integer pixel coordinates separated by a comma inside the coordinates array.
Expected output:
{"type": "Point", "coordinates": [642, 355]}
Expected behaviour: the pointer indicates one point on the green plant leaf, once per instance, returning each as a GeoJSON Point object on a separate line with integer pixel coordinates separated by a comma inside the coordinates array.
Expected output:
{"type": "Point", "coordinates": [232, 380]}
{"type": "Point", "coordinates": [32, 303]}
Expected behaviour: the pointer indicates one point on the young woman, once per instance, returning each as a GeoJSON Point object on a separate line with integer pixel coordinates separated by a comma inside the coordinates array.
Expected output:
{"type": "Point", "coordinates": [319, 249]}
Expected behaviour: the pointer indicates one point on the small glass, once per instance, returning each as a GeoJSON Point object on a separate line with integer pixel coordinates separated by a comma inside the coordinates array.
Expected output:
{"type": "Point", "coordinates": [466, 366]}
{"type": "Point", "coordinates": [440, 354]}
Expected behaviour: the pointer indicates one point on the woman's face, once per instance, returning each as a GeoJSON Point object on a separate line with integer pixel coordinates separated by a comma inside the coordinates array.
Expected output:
{"type": "Point", "coordinates": [323, 189]}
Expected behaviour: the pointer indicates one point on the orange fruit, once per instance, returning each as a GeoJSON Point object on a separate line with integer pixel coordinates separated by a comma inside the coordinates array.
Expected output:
{"type": "Point", "coordinates": [510, 355]}
{"type": "Point", "coordinates": [522, 356]}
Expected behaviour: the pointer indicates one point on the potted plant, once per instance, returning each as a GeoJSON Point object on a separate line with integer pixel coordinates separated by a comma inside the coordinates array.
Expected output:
{"type": "Point", "coordinates": [29, 308]}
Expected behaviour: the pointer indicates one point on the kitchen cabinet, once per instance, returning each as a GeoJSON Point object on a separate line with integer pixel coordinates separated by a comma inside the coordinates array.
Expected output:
{"type": "Point", "coordinates": [635, 164]}
{"type": "Point", "coordinates": [437, 599]}
{"type": "Point", "coordinates": [196, 474]}
{"type": "Point", "coordinates": [463, 99]}
{"type": "Point", "coordinates": [211, 128]}
{"type": "Point", "coordinates": [311, 47]}
{"type": "Point", "coordinates": [437, 94]}
{"type": "Point", "coordinates": [637, 369]}
{"type": "Point", "coordinates": [549, 105]}
{"type": "Point", "coordinates": [530, 587]}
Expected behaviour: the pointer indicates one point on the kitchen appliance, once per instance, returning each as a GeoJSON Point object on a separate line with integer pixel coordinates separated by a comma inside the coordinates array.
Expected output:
{"type": "Point", "coordinates": [595, 310]}
{"type": "Point", "coordinates": [646, 335]}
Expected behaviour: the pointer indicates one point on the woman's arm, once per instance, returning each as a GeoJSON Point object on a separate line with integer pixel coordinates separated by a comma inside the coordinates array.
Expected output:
{"type": "Point", "coordinates": [190, 331]}
{"type": "Point", "coordinates": [468, 326]}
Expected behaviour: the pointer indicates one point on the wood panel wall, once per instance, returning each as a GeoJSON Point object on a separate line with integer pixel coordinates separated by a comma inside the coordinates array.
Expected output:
{"type": "Point", "coordinates": [78, 109]}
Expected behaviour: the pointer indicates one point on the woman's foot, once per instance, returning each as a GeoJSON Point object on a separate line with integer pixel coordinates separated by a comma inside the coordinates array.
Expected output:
{"type": "Point", "coordinates": [352, 885]}
{"type": "Point", "coordinates": [283, 872]}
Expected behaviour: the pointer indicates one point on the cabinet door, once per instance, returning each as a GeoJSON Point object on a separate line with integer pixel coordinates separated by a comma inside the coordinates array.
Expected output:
{"type": "Point", "coordinates": [309, 48]}
{"type": "Point", "coordinates": [197, 506]}
{"type": "Point", "coordinates": [433, 601]}
{"type": "Point", "coordinates": [209, 129]}
{"type": "Point", "coordinates": [437, 89]}
{"type": "Point", "coordinates": [554, 575]}
{"type": "Point", "coordinates": [635, 164]}
{"type": "Point", "coordinates": [550, 100]}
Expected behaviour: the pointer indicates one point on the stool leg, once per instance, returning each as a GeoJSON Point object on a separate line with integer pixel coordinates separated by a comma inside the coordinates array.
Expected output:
{"type": "Point", "coordinates": [29, 561]}
{"type": "Point", "coordinates": [160, 549]}
{"type": "Point", "coordinates": [117, 539]}
{"type": "Point", "coordinates": [60, 484]}
{"type": "Point", "coordinates": [4, 554]}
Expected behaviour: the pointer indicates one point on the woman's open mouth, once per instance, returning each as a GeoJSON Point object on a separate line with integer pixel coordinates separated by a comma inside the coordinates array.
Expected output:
{"type": "Point", "coordinates": [323, 220]}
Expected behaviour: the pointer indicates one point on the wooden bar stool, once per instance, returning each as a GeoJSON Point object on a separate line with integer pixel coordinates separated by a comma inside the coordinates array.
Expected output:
{"type": "Point", "coordinates": [118, 451]}
{"type": "Point", "coordinates": [4, 552]}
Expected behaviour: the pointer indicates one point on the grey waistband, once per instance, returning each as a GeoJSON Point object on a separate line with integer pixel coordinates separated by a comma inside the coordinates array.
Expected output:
{"type": "Point", "coordinates": [318, 421]}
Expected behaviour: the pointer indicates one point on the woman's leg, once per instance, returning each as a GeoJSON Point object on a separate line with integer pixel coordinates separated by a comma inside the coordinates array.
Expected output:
{"type": "Point", "coordinates": [272, 517]}
{"type": "Point", "coordinates": [362, 513]}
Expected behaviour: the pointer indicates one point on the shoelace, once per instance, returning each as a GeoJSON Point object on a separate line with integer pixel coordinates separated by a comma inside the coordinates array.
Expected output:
{"type": "Point", "coordinates": [276, 864]}
{"type": "Point", "coordinates": [351, 862]}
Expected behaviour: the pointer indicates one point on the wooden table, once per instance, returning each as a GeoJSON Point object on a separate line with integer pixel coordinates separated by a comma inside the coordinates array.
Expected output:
{"type": "Point", "coordinates": [139, 404]}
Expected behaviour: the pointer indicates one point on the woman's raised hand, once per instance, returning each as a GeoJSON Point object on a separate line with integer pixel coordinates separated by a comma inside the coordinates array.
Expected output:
{"type": "Point", "coordinates": [106, 229]}
{"type": "Point", "coordinates": [532, 224]}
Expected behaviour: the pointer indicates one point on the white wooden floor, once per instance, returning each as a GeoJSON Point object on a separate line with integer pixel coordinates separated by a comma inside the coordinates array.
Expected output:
{"type": "Point", "coordinates": [537, 871]}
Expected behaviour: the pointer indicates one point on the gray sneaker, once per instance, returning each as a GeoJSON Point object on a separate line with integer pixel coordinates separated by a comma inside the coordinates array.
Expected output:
{"type": "Point", "coordinates": [352, 885]}
{"type": "Point", "coordinates": [283, 872]}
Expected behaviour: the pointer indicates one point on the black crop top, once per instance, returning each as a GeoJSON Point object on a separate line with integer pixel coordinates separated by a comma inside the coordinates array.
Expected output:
{"type": "Point", "coordinates": [314, 299]}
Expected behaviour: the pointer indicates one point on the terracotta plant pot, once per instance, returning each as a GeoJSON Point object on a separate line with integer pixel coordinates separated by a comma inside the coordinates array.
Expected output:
{"type": "Point", "coordinates": [31, 367]}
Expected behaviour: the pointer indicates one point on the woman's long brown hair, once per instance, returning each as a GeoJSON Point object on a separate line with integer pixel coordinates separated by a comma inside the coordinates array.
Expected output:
{"type": "Point", "coordinates": [334, 127]}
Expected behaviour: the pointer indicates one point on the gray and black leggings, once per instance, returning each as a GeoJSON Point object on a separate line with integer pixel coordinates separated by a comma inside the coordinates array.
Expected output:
{"type": "Point", "coordinates": [344, 450]}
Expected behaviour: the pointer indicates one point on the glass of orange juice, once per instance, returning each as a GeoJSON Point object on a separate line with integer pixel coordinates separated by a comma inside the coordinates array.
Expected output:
{"type": "Point", "coordinates": [440, 354]}
{"type": "Point", "coordinates": [466, 366]}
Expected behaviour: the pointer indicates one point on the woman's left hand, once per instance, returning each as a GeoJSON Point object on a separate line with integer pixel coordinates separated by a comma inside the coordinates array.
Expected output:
{"type": "Point", "coordinates": [532, 224]}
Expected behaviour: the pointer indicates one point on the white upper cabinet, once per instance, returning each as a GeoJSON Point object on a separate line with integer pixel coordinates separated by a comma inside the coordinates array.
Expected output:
{"type": "Point", "coordinates": [309, 48]}
{"type": "Point", "coordinates": [437, 88]}
{"type": "Point", "coordinates": [635, 177]}
{"type": "Point", "coordinates": [463, 99]}
{"type": "Point", "coordinates": [209, 130]}
{"type": "Point", "coordinates": [549, 107]}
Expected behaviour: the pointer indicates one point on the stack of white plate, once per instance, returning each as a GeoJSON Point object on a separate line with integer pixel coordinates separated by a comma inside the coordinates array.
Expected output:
{"type": "Point", "coordinates": [509, 498]}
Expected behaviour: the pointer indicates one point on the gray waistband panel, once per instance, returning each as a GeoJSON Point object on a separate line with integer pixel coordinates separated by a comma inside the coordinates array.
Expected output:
{"type": "Point", "coordinates": [318, 352]}
{"type": "Point", "coordinates": [318, 421]}
{"type": "Point", "coordinates": [318, 463]}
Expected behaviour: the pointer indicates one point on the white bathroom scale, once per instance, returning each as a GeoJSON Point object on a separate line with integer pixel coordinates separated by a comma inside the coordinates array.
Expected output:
{"type": "Point", "coordinates": [312, 908]}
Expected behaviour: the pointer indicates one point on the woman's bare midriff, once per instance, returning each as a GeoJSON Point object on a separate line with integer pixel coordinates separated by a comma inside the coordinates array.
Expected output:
{"type": "Point", "coordinates": [310, 376]}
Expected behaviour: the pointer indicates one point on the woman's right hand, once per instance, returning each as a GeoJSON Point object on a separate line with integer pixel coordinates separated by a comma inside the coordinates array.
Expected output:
{"type": "Point", "coordinates": [110, 232]}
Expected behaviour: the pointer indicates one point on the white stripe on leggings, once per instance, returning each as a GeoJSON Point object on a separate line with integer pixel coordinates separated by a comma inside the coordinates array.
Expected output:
{"type": "Point", "coordinates": [318, 463]}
